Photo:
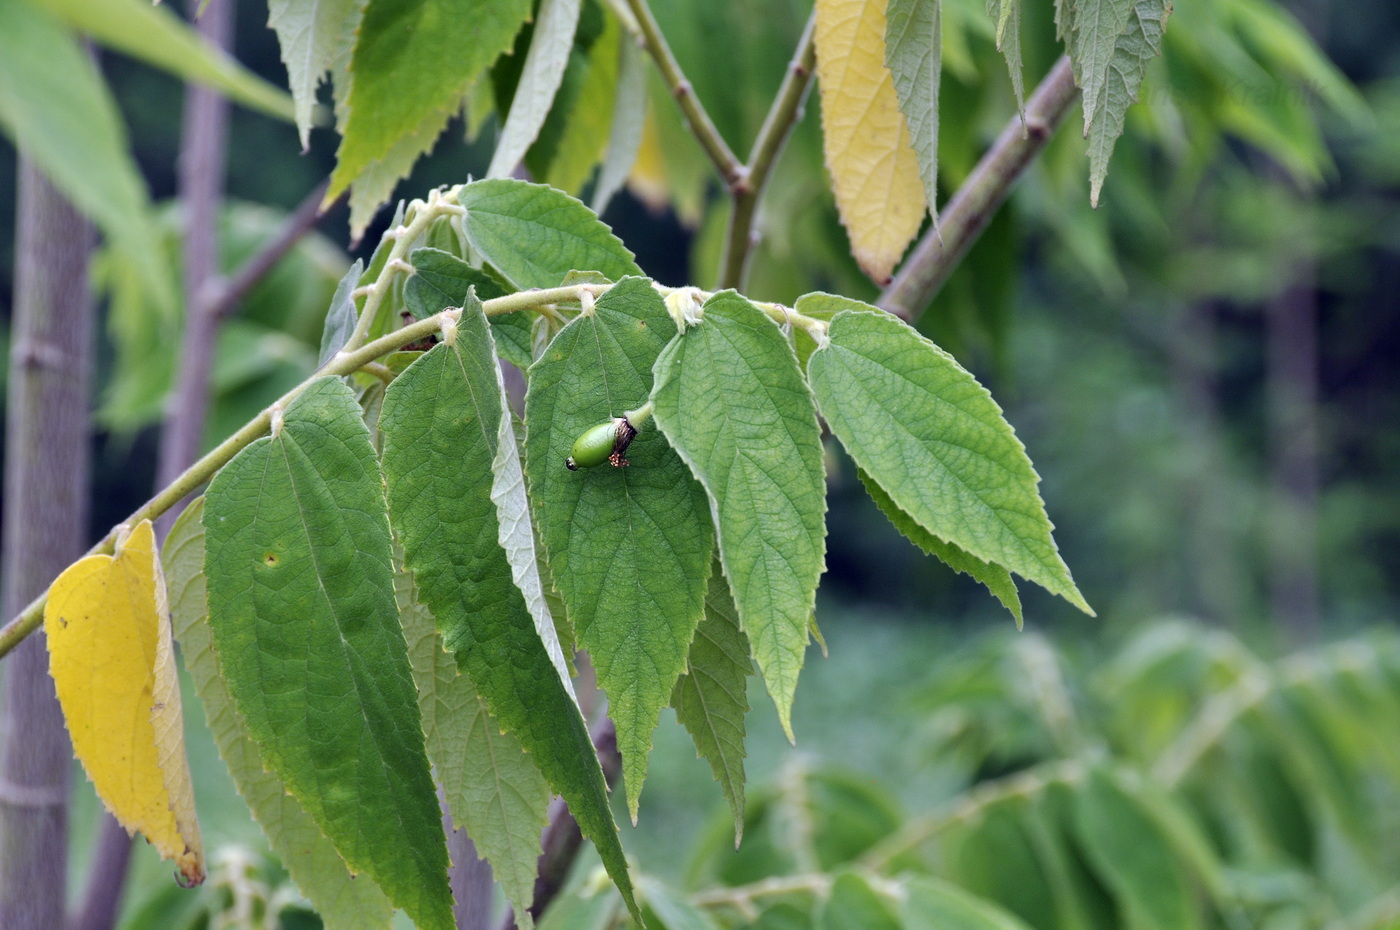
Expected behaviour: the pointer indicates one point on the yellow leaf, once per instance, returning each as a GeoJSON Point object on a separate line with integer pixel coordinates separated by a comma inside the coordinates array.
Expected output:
{"type": "Point", "coordinates": [113, 664]}
{"type": "Point", "coordinates": [874, 171]}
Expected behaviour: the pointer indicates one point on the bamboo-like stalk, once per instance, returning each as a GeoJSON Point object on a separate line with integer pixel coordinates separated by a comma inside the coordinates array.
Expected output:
{"type": "Point", "coordinates": [47, 477]}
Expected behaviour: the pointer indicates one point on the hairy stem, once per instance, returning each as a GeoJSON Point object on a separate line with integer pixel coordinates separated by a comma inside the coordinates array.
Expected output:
{"type": "Point", "coordinates": [784, 114]}
{"type": "Point", "coordinates": [970, 210]}
{"type": "Point", "coordinates": [343, 363]}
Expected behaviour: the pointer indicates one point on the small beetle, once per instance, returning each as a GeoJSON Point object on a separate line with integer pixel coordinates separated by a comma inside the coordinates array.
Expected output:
{"type": "Point", "coordinates": [605, 442]}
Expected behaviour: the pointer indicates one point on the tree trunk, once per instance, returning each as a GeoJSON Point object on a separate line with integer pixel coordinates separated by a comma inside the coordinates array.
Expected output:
{"type": "Point", "coordinates": [45, 525]}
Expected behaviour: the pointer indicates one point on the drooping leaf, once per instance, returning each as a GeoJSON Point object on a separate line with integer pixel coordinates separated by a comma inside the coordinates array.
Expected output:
{"type": "Point", "coordinates": [313, 37]}
{"type": "Point", "coordinates": [874, 171]}
{"type": "Point", "coordinates": [711, 698]}
{"type": "Point", "coordinates": [304, 621]}
{"type": "Point", "coordinates": [411, 68]}
{"type": "Point", "coordinates": [1006, 14]}
{"type": "Point", "coordinates": [855, 904]}
{"type": "Point", "coordinates": [113, 665]}
{"type": "Point", "coordinates": [914, 56]}
{"type": "Point", "coordinates": [550, 44]}
{"type": "Point", "coordinates": [931, 904]}
{"type": "Point", "coordinates": [1132, 857]}
{"type": "Point", "coordinates": [159, 38]}
{"type": "Point", "coordinates": [342, 315]}
{"type": "Point", "coordinates": [58, 111]}
{"type": "Point", "coordinates": [535, 235]}
{"type": "Point", "coordinates": [731, 399]}
{"type": "Point", "coordinates": [629, 117]}
{"type": "Point", "coordinates": [581, 131]}
{"type": "Point", "coordinates": [493, 789]}
{"type": "Point", "coordinates": [445, 425]}
{"type": "Point", "coordinates": [996, 578]}
{"type": "Point", "coordinates": [628, 548]}
{"type": "Point", "coordinates": [1110, 43]}
{"type": "Point", "coordinates": [934, 440]}
{"type": "Point", "coordinates": [341, 899]}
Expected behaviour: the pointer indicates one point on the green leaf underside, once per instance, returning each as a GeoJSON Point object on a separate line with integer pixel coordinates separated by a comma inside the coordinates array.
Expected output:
{"type": "Point", "coordinates": [1131, 856]}
{"type": "Point", "coordinates": [996, 579]}
{"type": "Point", "coordinates": [914, 55]}
{"type": "Point", "coordinates": [376, 181]}
{"type": "Point", "coordinates": [313, 37]}
{"type": "Point", "coordinates": [540, 77]}
{"type": "Point", "coordinates": [535, 235]}
{"type": "Point", "coordinates": [731, 399]}
{"type": "Point", "coordinates": [304, 621]}
{"type": "Point", "coordinates": [1006, 14]}
{"type": "Point", "coordinates": [578, 140]}
{"type": "Point", "coordinates": [412, 65]}
{"type": "Point", "coordinates": [629, 118]}
{"type": "Point", "coordinates": [629, 548]}
{"type": "Point", "coordinates": [711, 698]}
{"type": "Point", "coordinates": [1110, 43]}
{"type": "Point", "coordinates": [341, 317]}
{"type": "Point", "coordinates": [934, 440]}
{"type": "Point", "coordinates": [492, 787]}
{"type": "Point", "coordinates": [441, 427]}
{"type": "Point", "coordinates": [56, 108]}
{"type": "Point", "coordinates": [341, 899]}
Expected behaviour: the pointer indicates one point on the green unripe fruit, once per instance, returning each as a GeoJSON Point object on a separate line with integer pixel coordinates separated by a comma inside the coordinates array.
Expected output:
{"type": "Point", "coordinates": [605, 442]}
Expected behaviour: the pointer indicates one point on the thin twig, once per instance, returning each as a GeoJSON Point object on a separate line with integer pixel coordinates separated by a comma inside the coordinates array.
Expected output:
{"type": "Point", "coordinates": [725, 161]}
{"type": "Point", "coordinates": [344, 363]}
{"type": "Point", "coordinates": [777, 126]}
{"type": "Point", "coordinates": [297, 224]}
{"type": "Point", "coordinates": [977, 200]}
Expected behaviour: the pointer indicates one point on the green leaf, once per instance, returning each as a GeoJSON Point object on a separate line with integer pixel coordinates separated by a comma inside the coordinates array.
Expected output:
{"type": "Point", "coordinates": [159, 38]}
{"type": "Point", "coordinates": [535, 235]}
{"type": "Point", "coordinates": [441, 279]}
{"type": "Point", "coordinates": [313, 36]}
{"type": "Point", "coordinates": [932, 904]}
{"type": "Point", "coordinates": [493, 789]}
{"type": "Point", "coordinates": [458, 510]}
{"type": "Point", "coordinates": [412, 65]}
{"type": "Point", "coordinates": [304, 621]}
{"type": "Point", "coordinates": [1110, 43]}
{"type": "Point", "coordinates": [997, 579]}
{"type": "Point", "coordinates": [542, 73]}
{"type": "Point", "coordinates": [934, 440]}
{"type": "Point", "coordinates": [629, 118]}
{"type": "Point", "coordinates": [824, 307]}
{"type": "Point", "coordinates": [1006, 14]}
{"type": "Point", "coordinates": [731, 399]}
{"type": "Point", "coordinates": [341, 317]}
{"type": "Point", "coordinates": [711, 698]}
{"type": "Point", "coordinates": [1134, 860]}
{"type": "Point", "coordinates": [57, 109]}
{"type": "Point", "coordinates": [854, 904]}
{"type": "Point", "coordinates": [629, 548]}
{"type": "Point", "coordinates": [582, 134]}
{"type": "Point", "coordinates": [340, 898]}
{"type": "Point", "coordinates": [914, 55]}
{"type": "Point", "coordinates": [374, 185]}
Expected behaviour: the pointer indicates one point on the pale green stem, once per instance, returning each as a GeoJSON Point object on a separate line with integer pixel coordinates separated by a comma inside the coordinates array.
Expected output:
{"type": "Point", "coordinates": [640, 415]}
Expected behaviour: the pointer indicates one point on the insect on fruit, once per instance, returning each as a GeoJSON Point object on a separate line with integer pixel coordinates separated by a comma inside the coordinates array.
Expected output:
{"type": "Point", "coordinates": [605, 442]}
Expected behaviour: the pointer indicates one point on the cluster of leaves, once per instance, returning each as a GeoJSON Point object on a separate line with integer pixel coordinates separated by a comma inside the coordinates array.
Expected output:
{"type": "Point", "coordinates": [1184, 783]}
{"type": "Point", "coordinates": [388, 515]}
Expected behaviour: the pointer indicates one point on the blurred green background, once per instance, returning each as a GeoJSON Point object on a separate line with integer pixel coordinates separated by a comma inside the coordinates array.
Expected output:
{"type": "Point", "coordinates": [1201, 370]}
